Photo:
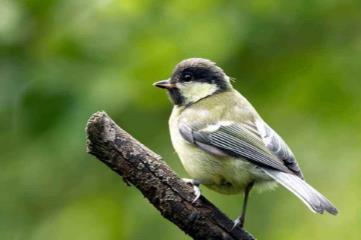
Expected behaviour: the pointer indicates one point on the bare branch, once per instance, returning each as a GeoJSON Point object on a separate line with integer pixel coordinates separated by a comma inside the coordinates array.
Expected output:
{"type": "Point", "coordinates": [144, 169]}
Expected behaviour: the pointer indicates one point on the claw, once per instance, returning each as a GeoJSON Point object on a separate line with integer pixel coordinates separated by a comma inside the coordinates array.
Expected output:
{"type": "Point", "coordinates": [235, 223]}
{"type": "Point", "coordinates": [196, 189]}
{"type": "Point", "coordinates": [238, 222]}
{"type": "Point", "coordinates": [197, 192]}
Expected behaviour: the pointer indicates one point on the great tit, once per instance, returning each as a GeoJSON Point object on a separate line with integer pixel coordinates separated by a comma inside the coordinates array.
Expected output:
{"type": "Point", "coordinates": [224, 144]}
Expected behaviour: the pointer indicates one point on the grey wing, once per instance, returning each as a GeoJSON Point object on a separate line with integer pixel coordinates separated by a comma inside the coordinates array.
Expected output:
{"type": "Point", "coordinates": [278, 147]}
{"type": "Point", "coordinates": [238, 140]}
{"type": "Point", "coordinates": [259, 144]}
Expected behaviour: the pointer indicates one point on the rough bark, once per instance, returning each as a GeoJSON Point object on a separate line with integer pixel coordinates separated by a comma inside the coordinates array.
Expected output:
{"type": "Point", "coordinates": [144, 169]}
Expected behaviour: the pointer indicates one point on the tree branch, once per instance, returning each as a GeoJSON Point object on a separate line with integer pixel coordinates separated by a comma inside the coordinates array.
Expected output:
{"type": "Point", "coordinates": [145, 170]}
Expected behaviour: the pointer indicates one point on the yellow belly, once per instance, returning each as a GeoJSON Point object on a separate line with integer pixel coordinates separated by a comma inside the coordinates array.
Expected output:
{"type": "Point", "coordinates": [226, 175]}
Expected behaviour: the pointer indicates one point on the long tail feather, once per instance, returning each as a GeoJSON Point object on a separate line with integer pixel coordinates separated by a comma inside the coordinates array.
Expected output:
{"type": "Point", "coordinates": [310, 196]}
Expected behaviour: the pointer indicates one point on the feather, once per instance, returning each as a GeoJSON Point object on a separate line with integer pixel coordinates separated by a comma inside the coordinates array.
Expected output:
{"type": "Point", "coordinates": [234, 140]}
{"type": "Point", "coordinates": [278, 147]}
{"type": "Point", "coordinates": [310, 196]}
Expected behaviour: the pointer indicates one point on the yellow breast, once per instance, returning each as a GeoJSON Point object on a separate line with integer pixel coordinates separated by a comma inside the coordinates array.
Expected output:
{"type": "Point", "coordinates": [223, 174]}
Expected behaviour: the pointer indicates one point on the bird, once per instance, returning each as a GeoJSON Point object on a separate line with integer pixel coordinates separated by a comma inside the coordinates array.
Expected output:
{"type": "Point", "coordinates": [224, 144]}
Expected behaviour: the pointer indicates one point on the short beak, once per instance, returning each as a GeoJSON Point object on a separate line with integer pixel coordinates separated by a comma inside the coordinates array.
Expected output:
{"type": "Point", "coordinates": [164, 84]}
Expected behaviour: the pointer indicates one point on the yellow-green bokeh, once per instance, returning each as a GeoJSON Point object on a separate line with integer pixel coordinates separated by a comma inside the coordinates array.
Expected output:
{"type": "Point", "coordinates": [297, 61]}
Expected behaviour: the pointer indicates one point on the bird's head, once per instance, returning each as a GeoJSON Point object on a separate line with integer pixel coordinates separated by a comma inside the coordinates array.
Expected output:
{"type": "Point", "coordinates": [194, 79]}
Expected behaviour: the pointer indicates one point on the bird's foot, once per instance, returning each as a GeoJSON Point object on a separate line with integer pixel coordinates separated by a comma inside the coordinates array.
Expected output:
{"type": "Point", "coordinates": [195, 184]}
{"type": "Point", "coordinates": [238, 222]}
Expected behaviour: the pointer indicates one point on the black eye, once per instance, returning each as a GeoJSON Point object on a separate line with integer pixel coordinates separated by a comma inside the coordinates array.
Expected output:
{"type": "Point", "coordinates": [187, 77]}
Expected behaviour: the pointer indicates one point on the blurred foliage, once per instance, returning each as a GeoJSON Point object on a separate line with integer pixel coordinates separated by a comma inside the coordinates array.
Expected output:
{"type": "Point", "coordinates": [61, 60]}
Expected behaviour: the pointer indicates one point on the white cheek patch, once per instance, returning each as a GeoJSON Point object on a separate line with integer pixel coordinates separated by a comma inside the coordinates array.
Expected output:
{"type": "Point", "coordinates": [194, 91]}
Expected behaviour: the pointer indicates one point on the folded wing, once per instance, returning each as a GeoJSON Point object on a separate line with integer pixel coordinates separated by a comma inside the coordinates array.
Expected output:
{"type": "Point", "coordinates": [259, 144]}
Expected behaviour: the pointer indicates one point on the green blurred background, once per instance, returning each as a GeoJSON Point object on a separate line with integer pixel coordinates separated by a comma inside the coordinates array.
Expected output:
{"type": "Point", "coordinates": [297, 61]}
